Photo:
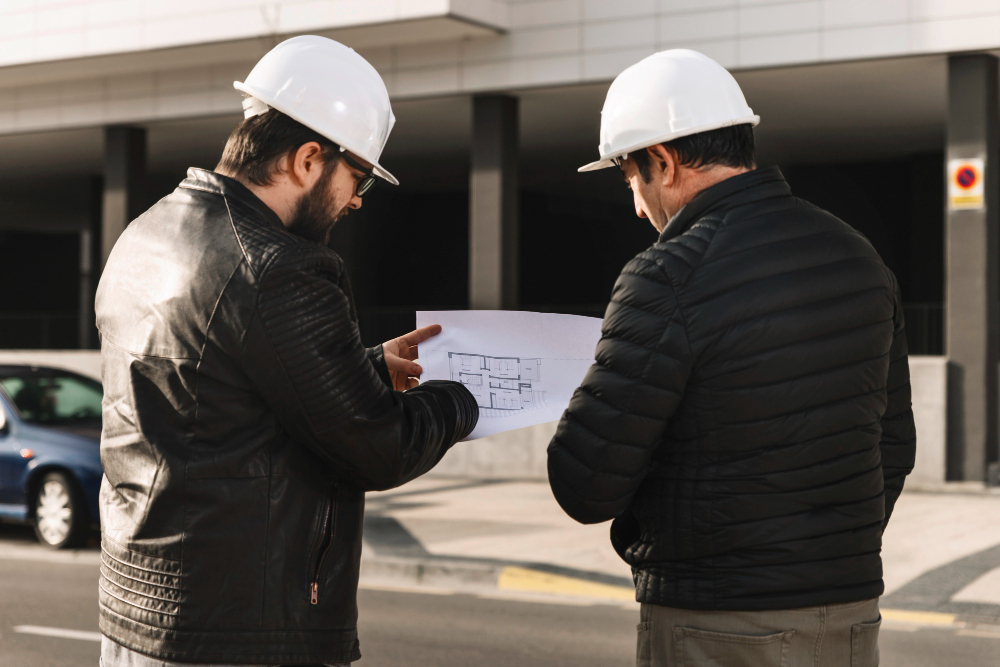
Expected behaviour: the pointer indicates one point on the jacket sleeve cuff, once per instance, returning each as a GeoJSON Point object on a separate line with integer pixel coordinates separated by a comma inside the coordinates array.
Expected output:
{"type": "Point", "coordinates": [466, 408]}
{"type": "Point", "coordinates": [377, 358]}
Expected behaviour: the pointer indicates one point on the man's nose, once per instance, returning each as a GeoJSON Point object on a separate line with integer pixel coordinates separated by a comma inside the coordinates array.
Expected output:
{"type": "Point", "coordinates": [355, 203]}
{"type": "Point", "coordinates": [638, 207]}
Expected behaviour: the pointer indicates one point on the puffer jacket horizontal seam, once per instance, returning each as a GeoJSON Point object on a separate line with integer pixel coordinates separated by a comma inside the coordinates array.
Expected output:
{"type": "Point", "coordinates": [860, 554]}
{"type": "Point", "coordinates": [772, 449]}
{"type": "Point", "coordinates": [645, 268]}
{"type": "Point", "coordinates": [725, 426]}
{"type": "Point", "coordinates": [666, 329]}
{"type": "Point", "coordinates": [609, 473]}
{"type": "Point", "coordinates": [100, 583]}
{"type": "Point", "coordinates": [789, 593]}
{"type": "Point", "coordinates": [826, 535]}
{"type": "Point", "coordinates": [809, 339]}
{"type": "Point", "coordinates": [614, 333]}
{"type": "Point", "coordinates": [807, 408]}
{"type": "Point", "coordinates": [792, 378]}
{"type": "Point", "coordinates": [858, 474]}
{"type": "Point", "coordinates": [631, 345]}
{"type": "Point", "coordinates": [623, 409]}
{"type": "Point", "coordinates": [691, 244]}
{"type": "Point", "coordinates": [712, 259]}
{"type": "Point", "coordinates": [832, 535]}
{"type": "Point", "coordinates": [589, 500]}
{"type": "Point", "coordinates": [676, 283]}
{"type": "Point", "coordinates": [711, 296]}
{"type": "Point", "coordinates": [772, 204]}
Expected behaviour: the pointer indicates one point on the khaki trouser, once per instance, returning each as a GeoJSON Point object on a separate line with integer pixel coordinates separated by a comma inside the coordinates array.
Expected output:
{"type": "Point", "coordinates": [838, 635]}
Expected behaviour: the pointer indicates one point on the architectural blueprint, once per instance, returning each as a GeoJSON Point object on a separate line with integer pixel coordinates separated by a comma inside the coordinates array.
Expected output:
{"type": "Point", "coordinates": [522, 367]}
{"type": "Point", "coordinates": [503, 386]}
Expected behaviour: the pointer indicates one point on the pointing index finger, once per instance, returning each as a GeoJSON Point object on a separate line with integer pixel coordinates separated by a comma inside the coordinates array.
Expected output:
{"type": "Point", "coordinates": [421, 334]}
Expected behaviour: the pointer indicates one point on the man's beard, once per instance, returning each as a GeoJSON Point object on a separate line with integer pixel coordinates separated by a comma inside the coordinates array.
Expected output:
{"type": "Point", "coordinates": [314, 215]}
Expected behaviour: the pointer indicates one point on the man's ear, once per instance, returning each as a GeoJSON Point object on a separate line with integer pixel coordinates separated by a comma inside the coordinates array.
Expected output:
{"type": "Point", "coordinates": [306, 165]}
{"type": "Point", "coordinates": [663, 159]}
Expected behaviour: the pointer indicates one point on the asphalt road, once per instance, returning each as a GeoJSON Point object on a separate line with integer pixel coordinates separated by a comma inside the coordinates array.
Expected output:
{"type": "Point", "coordinates": [401, 628]}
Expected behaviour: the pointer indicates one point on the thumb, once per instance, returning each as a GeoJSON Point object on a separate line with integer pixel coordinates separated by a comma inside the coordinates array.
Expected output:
{"type": "Point", "coordinates": [414, 370]}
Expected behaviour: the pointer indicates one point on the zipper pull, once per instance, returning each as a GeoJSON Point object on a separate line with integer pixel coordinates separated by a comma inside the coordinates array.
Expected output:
{"type": "Point", "coordinates": [314, 598]}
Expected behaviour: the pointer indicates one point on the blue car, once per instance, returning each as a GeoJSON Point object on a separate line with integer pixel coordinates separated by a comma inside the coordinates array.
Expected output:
{"type": "Point", "coordinates": [50, 458]}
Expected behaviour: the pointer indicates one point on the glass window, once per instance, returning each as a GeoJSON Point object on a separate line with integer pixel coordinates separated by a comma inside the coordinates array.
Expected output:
{"type": "Point", "coordinates": [52, 398]}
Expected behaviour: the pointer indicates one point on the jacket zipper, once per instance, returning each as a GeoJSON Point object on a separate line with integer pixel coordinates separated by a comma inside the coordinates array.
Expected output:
{"type": "Point", "coordinates": [329, 528]}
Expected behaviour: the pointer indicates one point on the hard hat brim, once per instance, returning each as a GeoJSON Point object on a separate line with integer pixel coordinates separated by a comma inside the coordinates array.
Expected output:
{"type": "Point", "coordinates": [609, 160]}
{"type": "Point", "coordinates": [594, 166]}
{"type": "Point", "coordinates": [382, 173]}
{"type": "Point", "coordinates": [377, 169]}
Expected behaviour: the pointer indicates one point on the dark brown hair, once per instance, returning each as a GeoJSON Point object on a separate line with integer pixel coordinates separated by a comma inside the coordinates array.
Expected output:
{"type": "Point", "coordinates": [259, 142]}
{"type": "Point", "coordinates": [731, 146]}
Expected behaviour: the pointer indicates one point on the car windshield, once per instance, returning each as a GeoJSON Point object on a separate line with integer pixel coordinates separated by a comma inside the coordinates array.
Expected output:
{"type": "Point", "coordinates": [53, 398]}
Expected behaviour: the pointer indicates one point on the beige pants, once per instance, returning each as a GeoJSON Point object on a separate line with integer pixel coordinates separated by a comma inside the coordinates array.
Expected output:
{"type": "Point", "coordinates": [839, 635]}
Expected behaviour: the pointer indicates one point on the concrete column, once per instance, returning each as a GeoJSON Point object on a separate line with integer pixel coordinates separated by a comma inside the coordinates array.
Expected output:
{"type": "Point", "coordinates": [972, 271]}
{"type": "Point", "coordinates": [493, 202]}
{"type": "Point", "coordinates": [124, 180]}
{"type": "Point", "coordinates": [90, 263]}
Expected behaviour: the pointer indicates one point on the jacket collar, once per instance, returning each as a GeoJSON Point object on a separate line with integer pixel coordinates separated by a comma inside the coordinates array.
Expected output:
{"type": "Point", "coordinates": [741, 189]}
{"type": "Point", "coordinates": [210, 181]}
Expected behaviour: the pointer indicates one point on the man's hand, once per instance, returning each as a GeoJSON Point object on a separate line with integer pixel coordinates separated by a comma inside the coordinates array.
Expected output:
{"type": "Point", "coordinates": [400, 353]}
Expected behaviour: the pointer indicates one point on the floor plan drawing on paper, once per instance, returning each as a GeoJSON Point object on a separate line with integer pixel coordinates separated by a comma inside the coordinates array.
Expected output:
{"type": "Point", "coordinates": [503, 386]}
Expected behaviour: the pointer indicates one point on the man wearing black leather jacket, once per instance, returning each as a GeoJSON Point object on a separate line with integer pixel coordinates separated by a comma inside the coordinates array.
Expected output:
{"type": "Point", "coordinates": [747, 423]}
{"type": "Point", "coordinates": [243, 418]}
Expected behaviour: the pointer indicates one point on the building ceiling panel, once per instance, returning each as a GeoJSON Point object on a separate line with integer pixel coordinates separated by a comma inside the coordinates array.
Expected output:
{"type": "Point", "coordinates": [838, 112]}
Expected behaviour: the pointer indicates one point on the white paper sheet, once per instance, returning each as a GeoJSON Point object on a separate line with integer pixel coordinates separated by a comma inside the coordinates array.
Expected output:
{"type": "Point", "coordinates": [522, 367]}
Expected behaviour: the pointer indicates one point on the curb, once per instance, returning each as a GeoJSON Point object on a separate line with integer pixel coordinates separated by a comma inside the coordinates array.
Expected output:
{"type": "Point", "coordinates": [431, 572]}
{"type": "Point", "coordinates": [470, 575]}
{"type": "Point", "coordinates": [482, 575]}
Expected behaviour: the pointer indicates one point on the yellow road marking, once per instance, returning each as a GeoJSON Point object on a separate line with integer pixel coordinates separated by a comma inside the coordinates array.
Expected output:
{"type": "Point", "coordinates": [523, 579]}
{"type": "Point", "coordinates": [391, 588]}
{"type": "Point", "coordinates": [918, 617]}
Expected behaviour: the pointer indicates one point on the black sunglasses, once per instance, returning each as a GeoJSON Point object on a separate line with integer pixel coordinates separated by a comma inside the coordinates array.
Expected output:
{"type": "Point", "coordinates": [367, 181]}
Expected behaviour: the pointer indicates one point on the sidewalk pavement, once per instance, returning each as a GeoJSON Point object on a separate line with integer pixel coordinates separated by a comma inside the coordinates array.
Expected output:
{"type": "Point", "coordinates": [941, 552]}
{"type": "Point", "coordinates": [503, 538]}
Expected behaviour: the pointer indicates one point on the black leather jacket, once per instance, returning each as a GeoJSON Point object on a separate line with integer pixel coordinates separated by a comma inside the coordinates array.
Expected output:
{"type": "Point", "coordinates": [243, 422]}
{"type": "Point", "coordinates": [747, 423]}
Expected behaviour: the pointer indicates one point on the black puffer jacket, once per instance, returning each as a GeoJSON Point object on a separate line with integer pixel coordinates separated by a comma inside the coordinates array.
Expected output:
{"type": "Point", "coordinates": [748, 420]}
{"type": "Point", "coordinates": [243, 422]}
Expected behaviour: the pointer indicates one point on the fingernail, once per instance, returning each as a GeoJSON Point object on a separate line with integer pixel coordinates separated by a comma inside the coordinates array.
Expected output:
{"type": "Point", "coordinates": [419, 370]}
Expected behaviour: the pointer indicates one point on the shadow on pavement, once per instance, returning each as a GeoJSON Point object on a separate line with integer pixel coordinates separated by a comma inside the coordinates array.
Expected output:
{"type": "Point", "coordinates": [933, 590]}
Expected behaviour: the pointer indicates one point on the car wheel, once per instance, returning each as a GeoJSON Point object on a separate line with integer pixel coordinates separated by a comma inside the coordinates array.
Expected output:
{"type": "Point", "coordinates": [60, 520]}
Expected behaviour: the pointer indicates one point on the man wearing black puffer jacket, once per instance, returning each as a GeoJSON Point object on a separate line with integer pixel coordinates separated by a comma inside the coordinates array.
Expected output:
{"type": "Point", "coordinates": [243, 419]}
{"type": "Point", "coordinates": [747, 422]}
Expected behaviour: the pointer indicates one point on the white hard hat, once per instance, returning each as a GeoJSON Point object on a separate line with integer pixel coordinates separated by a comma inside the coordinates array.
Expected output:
{"type": "Point", "coordinates": [327, 87]}
{"type": "Point", "coordinates": [668, 95]}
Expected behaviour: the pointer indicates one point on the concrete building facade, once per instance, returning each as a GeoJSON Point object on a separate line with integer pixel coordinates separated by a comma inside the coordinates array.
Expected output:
{"type": "Point", "coordinates": [105, 103]}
